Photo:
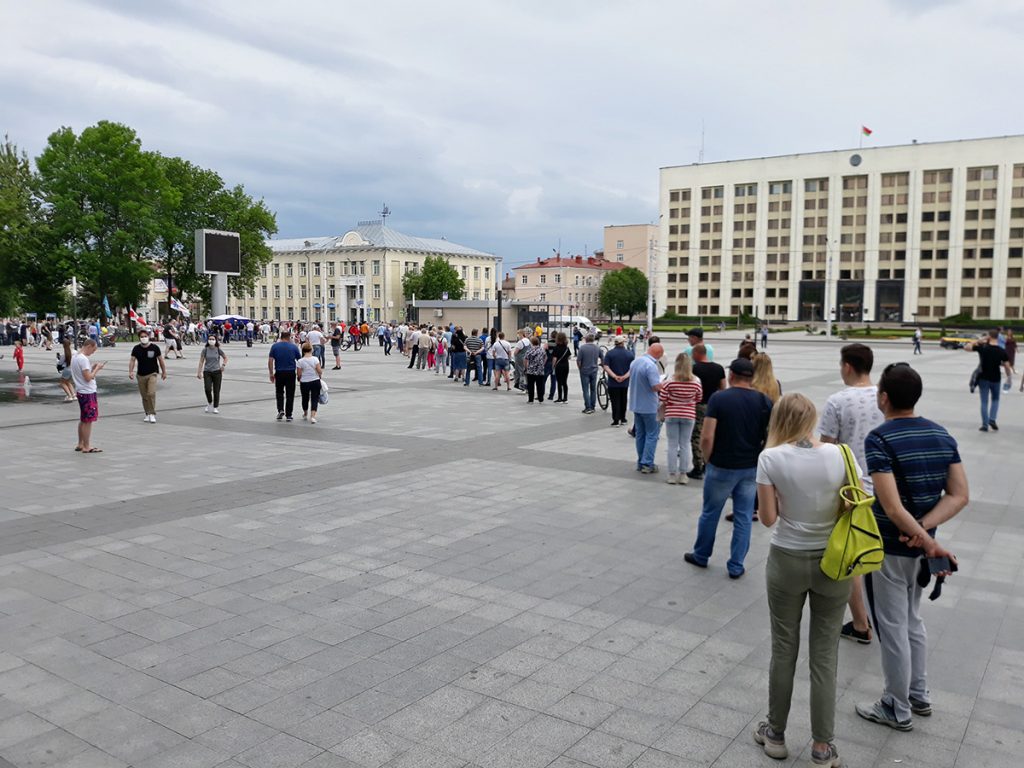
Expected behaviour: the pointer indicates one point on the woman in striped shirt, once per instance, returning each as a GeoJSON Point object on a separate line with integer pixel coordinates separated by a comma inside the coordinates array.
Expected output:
{"type": "Point", "coordinates": [679, 398]}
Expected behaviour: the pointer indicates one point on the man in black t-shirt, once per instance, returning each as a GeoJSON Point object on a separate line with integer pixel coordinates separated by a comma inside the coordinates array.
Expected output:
{"type": "Point", "coordinates": [991, 358]}
{"type": "Point", "coordinates": [735, 429]}
{"type": "Point", "coordinates": [712, 379]}
{"type": "Point", "coordinates": [147, 357]}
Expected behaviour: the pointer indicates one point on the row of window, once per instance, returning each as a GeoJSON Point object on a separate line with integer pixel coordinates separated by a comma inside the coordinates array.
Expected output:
{"type": "Point", "coordinates": [353, 268]}
{"type": "Point", "coordinates": [588, 281]}
{"type": "Point", "coordinates": [579, 298]}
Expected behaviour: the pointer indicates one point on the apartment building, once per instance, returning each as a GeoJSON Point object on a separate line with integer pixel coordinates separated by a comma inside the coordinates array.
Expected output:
{"type": "Point", "coordinates": [355, 276]}
{"type": "Point", "coordinates": [629, 244]}
{"type": "Point", "coordinates": [573, 282]}
{"type": "Point", "coordinates": [915, 232]}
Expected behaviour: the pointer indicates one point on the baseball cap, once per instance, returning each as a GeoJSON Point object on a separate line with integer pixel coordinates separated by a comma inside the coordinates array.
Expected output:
{"type": "Point", "coordinates": [698, 332]}
{"type": "Point", "coordinates": [620, 339]}
{"type": "Point", "coordinates": [742, 367]}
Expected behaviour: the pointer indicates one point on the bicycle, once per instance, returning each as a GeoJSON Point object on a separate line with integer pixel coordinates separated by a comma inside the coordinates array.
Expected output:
{"type": "Point", "coordinates": [349, 341]}
{"type": "Point", "coordinates": [602, 390]}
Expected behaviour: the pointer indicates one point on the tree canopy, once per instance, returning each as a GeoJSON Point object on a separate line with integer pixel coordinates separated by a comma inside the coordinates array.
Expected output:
{"type": "Point", "coordinates": [435, 279]}
{"type": "Point", "coordinates": [624, 292]}
{"type": "Point", "coordinates": [101, 208]}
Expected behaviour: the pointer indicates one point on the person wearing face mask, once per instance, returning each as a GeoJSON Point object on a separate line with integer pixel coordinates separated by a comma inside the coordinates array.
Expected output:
{"type": "Point", "coordinates": [147, 357]}
{"type": "Point", "coordinates": [212, 361]}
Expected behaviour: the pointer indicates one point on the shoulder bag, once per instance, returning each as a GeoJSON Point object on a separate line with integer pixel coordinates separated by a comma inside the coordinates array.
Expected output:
{"type": "Point", "coordinates": [855, 544]}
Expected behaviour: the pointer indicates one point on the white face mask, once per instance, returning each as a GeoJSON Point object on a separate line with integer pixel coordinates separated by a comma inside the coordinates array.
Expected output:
{"type": "Point", "coordinates": [144, 340]}
{"type": "Point", "coordinates": [211, 342]}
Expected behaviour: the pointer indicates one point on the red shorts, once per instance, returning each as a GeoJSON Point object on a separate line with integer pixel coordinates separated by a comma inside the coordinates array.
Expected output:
{"type": "Point", "coordinates": [89, 406]}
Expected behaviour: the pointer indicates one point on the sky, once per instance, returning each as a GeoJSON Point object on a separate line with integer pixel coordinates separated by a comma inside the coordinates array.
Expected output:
{"type": "Point", "coordinates": [516, 127]}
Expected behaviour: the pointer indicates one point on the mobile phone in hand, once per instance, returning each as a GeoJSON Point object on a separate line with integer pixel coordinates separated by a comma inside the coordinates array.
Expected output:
{"type": "Point", "coordinates": [940, 565]}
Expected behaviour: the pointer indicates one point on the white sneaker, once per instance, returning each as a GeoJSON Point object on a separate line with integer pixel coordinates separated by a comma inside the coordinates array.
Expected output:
{"type": "Point", "coordinates": [216, 410]}
{"type": "Point", "coordinates": [671, 479]}
{"type": "Point", "coordinates": [152, 418]}
{"type": "Point", "coordinates": [145, 419]}
{"type": "Point", "coordinates": [313, 420]}
{"type": "Point", "coordinates": [682, 479]}
{"type": "Point", "coordinates": [207, 409]}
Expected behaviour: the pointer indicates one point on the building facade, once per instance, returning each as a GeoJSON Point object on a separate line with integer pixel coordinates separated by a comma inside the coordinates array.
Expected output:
{"type": "Point", "coordinates": [906, 233]}
{"type": "Point", "coordinates": [571, 282]}
{"type": "Point", "coordinates": [630, 244]}
{"type": "Point", "coordinates": [355, 276]}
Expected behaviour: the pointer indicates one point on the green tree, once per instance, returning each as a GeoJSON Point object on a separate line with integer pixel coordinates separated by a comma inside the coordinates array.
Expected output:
{"type": "Point", "coordinates": [106, 200]}
{"type": "Point", "coordinates": [624, 292]}
{"type": "Point", "coordinates": [435, 279]}
{"type": "Point", "coordinates": [29, 270]}
{"type": "Point", "coordinates": [203, 202]}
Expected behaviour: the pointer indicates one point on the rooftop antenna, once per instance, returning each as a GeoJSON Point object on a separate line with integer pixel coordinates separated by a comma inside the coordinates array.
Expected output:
{"type": "Point", "coordinates": [384, 213]}
{"type": "Point", "coordinates": [700, 157]}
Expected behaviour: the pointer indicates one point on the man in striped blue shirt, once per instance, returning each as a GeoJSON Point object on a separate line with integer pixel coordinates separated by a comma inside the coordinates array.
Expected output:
{"type": "Point", "coordinates": [919, 483]}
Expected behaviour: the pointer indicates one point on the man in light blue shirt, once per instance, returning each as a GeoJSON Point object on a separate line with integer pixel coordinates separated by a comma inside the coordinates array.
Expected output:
{"type": "Point", "coordinates": [695, 336]}
{"type": "Point", "coordinates": [644, 386]}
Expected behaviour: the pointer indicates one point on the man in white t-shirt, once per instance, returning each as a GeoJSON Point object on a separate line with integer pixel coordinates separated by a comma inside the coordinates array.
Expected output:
{"type": "Point", "coordinates": [83, 374]}
{"type": "Point", "coordinates": [412, 342]}
{"type": "Point", "coordinates": [316, 339]}
{"type": "Point", "coordinates": [849, 415]}
{"type": "Point", "coordinates": [519, 356]}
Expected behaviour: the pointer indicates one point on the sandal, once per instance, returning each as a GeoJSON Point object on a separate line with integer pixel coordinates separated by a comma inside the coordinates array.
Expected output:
{"type": "Point", "coordinates": [94, 450]}
{"type": "Point", "coordinates": [78, 448]}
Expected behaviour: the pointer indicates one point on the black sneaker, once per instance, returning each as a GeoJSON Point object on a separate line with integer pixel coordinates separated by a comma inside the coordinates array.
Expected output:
{"type": "Point", "coordinates": [695, 474]}
{"type": "Point", "coordinates": [728, 517]}
{"type": "Point", "coordinates": [849, 632]}
{"type": "Point", "coordinates": [994, 425]}
{"type": "Point", "coordinates": [920, 707]}
{"type": "Point", "coordinates": [983, 429]}
{"type": "Point", "coordinates": [689, 557]}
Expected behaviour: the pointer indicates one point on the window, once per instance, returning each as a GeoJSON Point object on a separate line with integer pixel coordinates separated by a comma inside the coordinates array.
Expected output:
{"type": "Point", "coordinates": [302, 269]}
{"type": "Point", "coordinates": [465, 273]}
{"type": "Point", "coordinates": [263, 291]}
{"type": "Point", "coordinates": [476, 273]}
{"type": "Point", "coordinates": [277, 294]}
{"type": "Point", "coordinates": [523, 281]}
{"type": "Point", "coordinates": [542, 297]}
{"type": "Point", "coordinates": [330, 269]}
{"type": "Point", "coordinates": [316, 269]}
{"type": "Point", "coordinates": [376, 268]}
{"type": "Point", "coordinates": [376, 291]}
{"type": "Point", "coordinates": [816, 185]}
{"type": "Point", "coordinates": [620, 243]}
{"type": "Point", "coordinates": [780, 187]}
{"type": "Point", "coordinates": [263, 271]}
{"type": "Point", "coordinates": [288, 269]}
{"type": "Point", "coordinates": [302, 291]}
{"type": "Point", "coordinates": [291, 292]}
{"type": "Point", "coordinates": [620, 257]}
{"type": "Point", "coordinates": [277, 270]}
{"type": "Point", "coordinates": [543, 279]}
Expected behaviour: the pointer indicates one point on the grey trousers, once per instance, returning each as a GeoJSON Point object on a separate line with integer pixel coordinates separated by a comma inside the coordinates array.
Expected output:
{"type": "Point", "coordinates": [795, 577]}
{"type": "Point", "coordinates": [894, 599]}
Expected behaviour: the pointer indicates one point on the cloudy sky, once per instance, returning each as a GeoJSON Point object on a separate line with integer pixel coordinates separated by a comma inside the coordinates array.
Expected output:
{"type": "Point", "coordinates": [506, 126]}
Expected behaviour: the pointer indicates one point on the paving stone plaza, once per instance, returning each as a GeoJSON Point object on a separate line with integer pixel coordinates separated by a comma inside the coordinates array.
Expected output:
{"type": "Point", "coordinates": [435, 577]}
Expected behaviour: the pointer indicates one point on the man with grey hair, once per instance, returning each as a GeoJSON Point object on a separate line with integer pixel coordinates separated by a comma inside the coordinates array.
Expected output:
{"type": "Point", "coordinates": [588, 360]}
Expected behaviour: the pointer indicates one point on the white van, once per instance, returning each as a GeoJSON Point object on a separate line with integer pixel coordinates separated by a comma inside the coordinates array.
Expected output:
{"type": "Point", "coordinates": [564, 322]}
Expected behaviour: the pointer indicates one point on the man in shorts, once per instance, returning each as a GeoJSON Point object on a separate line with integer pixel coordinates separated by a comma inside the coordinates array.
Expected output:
{"type": "Point", "coordinates": [83, 373]}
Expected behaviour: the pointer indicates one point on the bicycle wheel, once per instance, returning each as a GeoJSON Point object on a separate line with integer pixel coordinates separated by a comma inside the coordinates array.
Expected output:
{"type": "Point", "coordinates": [602, 393]}
{"type": "Point", "coordinates": [357, 344]}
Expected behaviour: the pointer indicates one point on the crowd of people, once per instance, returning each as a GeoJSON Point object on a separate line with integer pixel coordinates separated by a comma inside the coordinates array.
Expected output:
{"type": "Point", "coordinates": [778, 460]}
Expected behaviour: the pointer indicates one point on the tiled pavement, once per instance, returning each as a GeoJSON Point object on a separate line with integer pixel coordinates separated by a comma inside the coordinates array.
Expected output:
{"type": "Point", "coordinates": [434, 576]}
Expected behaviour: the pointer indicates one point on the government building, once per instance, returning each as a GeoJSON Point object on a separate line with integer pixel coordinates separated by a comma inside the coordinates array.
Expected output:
{"type": "Point", "coordinates": [907, 233]}
{"type": "Point", "coordinates": [355, 276]}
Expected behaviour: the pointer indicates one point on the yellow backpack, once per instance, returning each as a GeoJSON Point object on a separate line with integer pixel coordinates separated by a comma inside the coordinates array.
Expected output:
{"type": "Point", "coordinates": [855, 545]}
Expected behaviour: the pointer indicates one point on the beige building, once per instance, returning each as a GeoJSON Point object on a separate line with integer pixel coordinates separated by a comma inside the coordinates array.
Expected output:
{"type": "Point", "coordinates": [902, 233]}
{"type": "Point", "coordinates": [357, 275]}
{"type": "Point", "coordinates": [572, 282]}
{"type": "Point", "coordinates": [630, 244]}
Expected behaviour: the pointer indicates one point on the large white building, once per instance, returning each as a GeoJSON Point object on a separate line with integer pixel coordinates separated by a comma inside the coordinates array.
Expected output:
{"type": "Point", "coordinates": [903, 233]}
{"type": "Point", "coordinates": [355, 276]}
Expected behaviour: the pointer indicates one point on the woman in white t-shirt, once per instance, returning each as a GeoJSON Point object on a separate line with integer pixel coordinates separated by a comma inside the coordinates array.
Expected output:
{"type": "Point", "coordinates": [308, 371]}
{"type": "Point", "coordinates": [798, 482]}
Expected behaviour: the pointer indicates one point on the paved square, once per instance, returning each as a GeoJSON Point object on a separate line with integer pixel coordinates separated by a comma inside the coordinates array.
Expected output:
{"type": "Point", "coordinates": [438, 576]}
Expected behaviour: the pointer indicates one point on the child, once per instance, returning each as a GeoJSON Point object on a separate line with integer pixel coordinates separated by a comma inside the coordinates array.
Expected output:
{"type": "Point", "coordinates": [19, 355]}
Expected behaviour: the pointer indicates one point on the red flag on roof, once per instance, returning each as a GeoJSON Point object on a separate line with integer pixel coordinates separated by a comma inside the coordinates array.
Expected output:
{"type": "Point", "coordinates": [865, 130]}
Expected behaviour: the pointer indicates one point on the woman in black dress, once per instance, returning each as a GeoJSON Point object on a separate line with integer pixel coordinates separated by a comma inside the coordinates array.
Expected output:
{"type": "Point", "coordinates": [560, 363]}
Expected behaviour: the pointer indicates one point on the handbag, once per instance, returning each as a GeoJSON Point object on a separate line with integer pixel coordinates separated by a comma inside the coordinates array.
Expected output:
{"type": "Point", "coordinates": [855, 544]}
{"type": "Point", "coordinates": [975, 375]}
{"type": "Point", "coordinates": [323, 393]}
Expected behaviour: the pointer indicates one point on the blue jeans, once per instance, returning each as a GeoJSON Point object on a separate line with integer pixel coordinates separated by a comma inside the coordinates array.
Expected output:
{"type": "Point", "coordinates": [589, 382]}
{"type": "Point", "coordinates": [989, 389]}
{"type": "Point", "coordinates": [719, 485]}
{"type": "Point", "coordinates": [647, 429]}
{"type": "Point", "coordinates": [680, 457]}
